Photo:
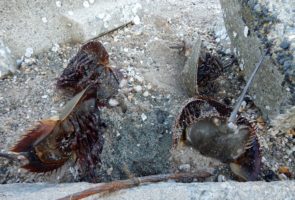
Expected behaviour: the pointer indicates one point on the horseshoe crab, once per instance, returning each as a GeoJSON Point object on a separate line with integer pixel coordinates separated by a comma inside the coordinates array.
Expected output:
{"type": "Point", "coordinates": [90, 66]}
{"type": "Point", "coordinates": [202, 124]}
{"type": "Point", "coordinates": [77, 130]}
{"type": "Point", "coordinates": [217, 131]}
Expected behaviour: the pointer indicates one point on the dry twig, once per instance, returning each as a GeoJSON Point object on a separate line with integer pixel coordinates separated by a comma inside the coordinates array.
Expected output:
{"type": "Point", "coordinates": [133, 182]}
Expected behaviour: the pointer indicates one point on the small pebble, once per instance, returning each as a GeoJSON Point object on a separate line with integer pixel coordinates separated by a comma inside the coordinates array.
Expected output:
{"type": "Point", "coordinates": [123, 83]}
{"type": "Point", "coordinates": [138, 78]}
{"type": "Point", "coordinates": [285, 44]}
{"type": "Point", "coordinates": [246, 31]}
{"type": "Point", "coordinates": [184, 167]}
{"type": "Point", "coordinates": [113, 102]}
{"type": "Point", "coordinates": [91, 1]}
{"type": "Point", "coordinates": [44, 20]}
{"type": "Point", "coordinates": [149, 86]}
{"type": "Point", "coordinates": [136, 20]}
{"type": "Point", "coordinates": [257, 8]}
{"type": "Point", "coordinates": [101, 15]}
{"type": "Point", "coordinates": [137, 88]}
{"type": "Point", "coordinates": [55, 48]}
{"type": "Point", "coordinates": [58, 4]}
{"type": "Point", "coordinates": [44, 96]}
{"type": "Point", "coordinates": [146, 94]}
{"type": "Point", "coordinates": [29, 61]}
{"type": "Point", "coordinates": [86, 4]}
{"type": "Point", "coordinates": [29, 52]}
{"type": "Point", "coordinates": [143, 117]}
{"type": "Point", "coordinates": [283, 177]}
{"type": "Point", "coordinates": [109, 171]}
{"type": "Point", "coordinates": [221, 178]}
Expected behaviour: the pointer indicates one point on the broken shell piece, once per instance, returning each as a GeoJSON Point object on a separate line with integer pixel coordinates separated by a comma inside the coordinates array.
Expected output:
{"type": "Point", "coordinates": [189, 73]}
{"type": "Point", "coordinates": [203, 124]}
{"type": "Point", "coordinates": [248, 165]}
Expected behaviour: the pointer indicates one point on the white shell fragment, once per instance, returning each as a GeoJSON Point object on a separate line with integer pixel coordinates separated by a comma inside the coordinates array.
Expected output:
{"type": "Point", "coordinates": [86, 4]}
{"type": "Point", "coordinates": [58, 4]}
{"type": "Point", "coordinates": [143, 117]}
{"type": "Point", "coordinates": [29, 52]}
{"type": "Point", "coordinates": [246, 31]}
{"type": "Point", "coordinates": [44, 20]}
{"type": "Point", "coordinates": [113, 102]}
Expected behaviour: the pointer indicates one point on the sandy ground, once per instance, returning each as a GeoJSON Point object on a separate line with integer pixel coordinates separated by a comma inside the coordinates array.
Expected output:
{"type": "Point", "coordinates": [134, 145]}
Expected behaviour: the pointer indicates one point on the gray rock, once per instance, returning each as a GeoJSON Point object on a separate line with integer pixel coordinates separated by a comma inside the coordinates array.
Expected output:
{"type": "Point", "coordinates": [209, 190]}
{"type": "Point", "coordinates": [7, 64]}
{"type": "Point", "coordinates": [41, 24]}
{"type": "Point", "coordinates": [264, 29]}
{"type": "Point", "coordinates": [285, 44]}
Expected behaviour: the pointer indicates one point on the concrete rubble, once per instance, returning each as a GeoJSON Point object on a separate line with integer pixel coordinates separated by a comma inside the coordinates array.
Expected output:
{"type": "Point", "coordinates": [170, 190]}
{"type": "Point", "coordinates": [253, 26]}
{"type": "Point", "coordinates": [42, 24]}
{"type": "Point", "coordinates": [7, 64]}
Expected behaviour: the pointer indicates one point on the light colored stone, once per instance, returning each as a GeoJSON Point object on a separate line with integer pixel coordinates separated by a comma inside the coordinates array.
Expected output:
{"type": "Point", "coordinates": [39, 24]}
{"type": "Point", "coordinates": [98, 18]}
{"type": "Point", "coordinates": [7, 64]}
{"type": "Point", "coordinates": [113, 102]}
{"type": "Point", "coordinates": [146, 94]}
{"type": "Point", "coordinates": [137, 88]}
{"type": "Point", "coordinates": [279, 190]}
{"type": "Point", "coordinates": [143, 117]}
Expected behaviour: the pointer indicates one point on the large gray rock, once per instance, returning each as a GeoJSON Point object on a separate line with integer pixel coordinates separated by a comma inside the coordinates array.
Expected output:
{"type": "Point", "coordinates": [226, 190]}
{"type": "Point", "coordinates": [41, 24]}
{"type": "Point", "coordinates": [7, 64]}
{"type": "Point", "coordinates": [253, 26]}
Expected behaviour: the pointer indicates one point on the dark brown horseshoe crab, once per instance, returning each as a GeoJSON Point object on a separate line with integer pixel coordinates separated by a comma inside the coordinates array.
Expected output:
{"type": "Point", "coordinates": [90, 66]}
{"type": "Point", "coordinates": [76, 130]}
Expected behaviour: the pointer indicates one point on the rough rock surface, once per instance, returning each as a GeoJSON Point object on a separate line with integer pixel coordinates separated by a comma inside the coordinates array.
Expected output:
{"type": "Point", "coordinates": [283, 190]}
{"type": "Point", "coordinates": [7, 64]}
{"type": "Point", "coordinates": [41, 24]}
{"type": "Point", "coordinates": [253, 26]}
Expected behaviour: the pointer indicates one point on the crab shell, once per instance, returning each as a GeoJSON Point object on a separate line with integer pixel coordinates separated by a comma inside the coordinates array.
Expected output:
{"type": "Point", "coordinates": [90, 66]}
{"type": "Point", "coordinates": [195, 110]}
{"type": "Point", "coordinates": [77, 130]}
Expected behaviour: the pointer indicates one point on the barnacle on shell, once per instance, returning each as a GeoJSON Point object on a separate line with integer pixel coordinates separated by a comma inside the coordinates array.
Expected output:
{"type": "Point", "coordinates": [202, 123]}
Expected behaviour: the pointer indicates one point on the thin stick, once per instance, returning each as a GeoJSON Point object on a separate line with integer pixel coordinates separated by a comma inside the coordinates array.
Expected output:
{"type": "Point", "coordinates": [233, 116]}
{"type": "Point", "coordinates": [112, 30]}
{"type": "Point", "coordinates": [133, 182]}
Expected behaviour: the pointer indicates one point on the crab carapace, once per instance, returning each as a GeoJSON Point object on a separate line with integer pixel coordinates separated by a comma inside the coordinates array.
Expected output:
{"type": "Point", "coordinates": [77, 130]}
{"type": "Point", "coordinates": [217, 131]}
{"type": "Point", "coordinates": [202, 124]}
{"type": "Point", "coordinates": [90, 66]}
